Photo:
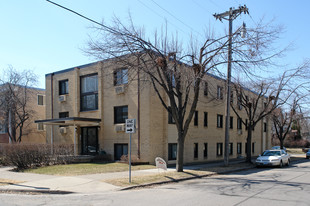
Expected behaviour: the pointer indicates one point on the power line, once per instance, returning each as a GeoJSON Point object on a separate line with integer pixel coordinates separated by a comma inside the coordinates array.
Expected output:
{"type": "Point", "coordinates": [202, 7]}
{"type": "Point", "coordinates": [89, 19]}
{"type": "Point", "coordinates": [176, 17]}
{"type": "Point", "coordinates": [161, 16]}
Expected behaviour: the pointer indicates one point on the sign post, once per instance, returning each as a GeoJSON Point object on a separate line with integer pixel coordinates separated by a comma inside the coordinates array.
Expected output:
{"type": "Point", "coordinates": [130, 128]}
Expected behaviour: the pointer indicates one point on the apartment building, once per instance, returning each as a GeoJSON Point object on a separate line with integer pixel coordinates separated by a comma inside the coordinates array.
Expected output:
{"type": "Point", "coordinates": [87, 106]}
{"type": "Point", "coordinates": [32, 133]}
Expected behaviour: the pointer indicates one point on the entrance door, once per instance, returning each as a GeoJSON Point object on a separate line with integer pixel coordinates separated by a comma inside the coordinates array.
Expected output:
{"type": "Point", "coordinates": [89, 140]}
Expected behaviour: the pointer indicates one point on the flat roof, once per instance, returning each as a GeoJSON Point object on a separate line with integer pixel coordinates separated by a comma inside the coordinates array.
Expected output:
{"type": "Point", "coordinates": [71, 121]}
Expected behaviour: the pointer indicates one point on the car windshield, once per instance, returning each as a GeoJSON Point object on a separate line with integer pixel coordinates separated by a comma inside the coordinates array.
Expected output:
{"type": "Point", "coordinates": [271, 153]}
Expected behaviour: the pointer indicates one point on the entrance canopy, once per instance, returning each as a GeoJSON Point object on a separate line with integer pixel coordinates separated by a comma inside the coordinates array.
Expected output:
{"type": "Point", "coordinates": [71, 121]}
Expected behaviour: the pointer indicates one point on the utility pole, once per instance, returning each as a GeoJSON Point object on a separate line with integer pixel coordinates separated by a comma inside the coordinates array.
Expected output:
{"type": "Point", "coordinates": [232, 14]}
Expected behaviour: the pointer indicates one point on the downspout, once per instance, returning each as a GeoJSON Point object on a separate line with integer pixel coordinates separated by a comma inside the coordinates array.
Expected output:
{"type": "Point", "coordinates": [138, 122]}
{"type": "Point", "coordinates": [52, 110]}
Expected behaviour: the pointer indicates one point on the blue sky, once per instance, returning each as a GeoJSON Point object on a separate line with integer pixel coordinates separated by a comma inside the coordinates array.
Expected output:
{"type": "Point", "coordinates": [39, 36]}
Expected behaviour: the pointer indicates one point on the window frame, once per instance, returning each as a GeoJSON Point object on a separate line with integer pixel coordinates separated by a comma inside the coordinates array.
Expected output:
{"type": "Point", "coordinates": [64, 83]}
{"type": "Point", "coordinates": [40, 97]}
{"type": "Point", "coordinates": [172, 148]}
{"type": "Point", "coordinates": [219, 121]}
{"type": "Point", "coordinates": [230, 148]}
{"type": "Point", "coordinates": [205, 150]}
{"type": "Point", "coordinates": [239, 123]}
{"type": "Point", "coordinates": [231, 122]}
{"type": "Point", "coordinates": [219, 93]}
{"type": "Point", "coordinates": [206, 89]}
{"type": "Point", "coordinates": [124, 117]}
{"type": "Point", "coordinates": [219, 149]}
{"type": "Point", "coordinates": [239, 147]}
{"type": "Point", "coordinates": [122, 79]}
{"type": "Point", "coordinates": [86, 94]}
{"type": "Point", "coordinates": [205, 119]}
{"type": "Point", "coordinates": [196, 118]}
{"type": "Point", "coordinates": [196, 150]}
{"type": "Point", "coordinates": [264, 127]}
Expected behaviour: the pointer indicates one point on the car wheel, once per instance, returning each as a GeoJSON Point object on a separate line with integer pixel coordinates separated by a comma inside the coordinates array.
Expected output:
{"type": "Point", "coordinates": [281, 164]}
{"type": "Point", "coordinates": [288, 162]}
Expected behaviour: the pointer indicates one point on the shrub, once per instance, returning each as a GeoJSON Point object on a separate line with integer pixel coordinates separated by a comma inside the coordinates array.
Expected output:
{"type": "Point", "coordinates": [24, 156]}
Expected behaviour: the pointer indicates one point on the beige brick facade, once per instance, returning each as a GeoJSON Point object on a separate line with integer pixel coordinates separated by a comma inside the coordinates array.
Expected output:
{"type": "Point", "coordinates": [32, 133]}
{"type": "Point", "coordinates": [155, 132]}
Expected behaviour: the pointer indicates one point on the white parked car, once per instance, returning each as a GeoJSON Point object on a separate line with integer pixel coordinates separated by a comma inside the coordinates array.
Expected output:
{"type": "Point", "coordinates": [308, 154]}
{"type": "Point", "coordinates": [273, 158]}
{"type": "Point", "coordinates": [278, 147]}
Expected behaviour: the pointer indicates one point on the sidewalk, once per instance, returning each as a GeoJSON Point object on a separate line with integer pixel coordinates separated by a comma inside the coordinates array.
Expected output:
{"type": "Point", "coordinates": [36, 183]}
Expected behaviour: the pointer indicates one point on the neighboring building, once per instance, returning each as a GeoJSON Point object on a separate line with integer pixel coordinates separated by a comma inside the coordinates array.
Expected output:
{"type": "Point", "coordinates": [87, 106]}
{"type": "Point", "coordinates": [32, 132]}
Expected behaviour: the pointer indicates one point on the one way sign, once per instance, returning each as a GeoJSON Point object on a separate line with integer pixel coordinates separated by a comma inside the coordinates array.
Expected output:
{"type": "Point", "coordinates": [130, 125]}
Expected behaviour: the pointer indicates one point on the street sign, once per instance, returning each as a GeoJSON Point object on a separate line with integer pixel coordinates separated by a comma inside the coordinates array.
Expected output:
{"type": "Point", "coordinates": [130, 125]}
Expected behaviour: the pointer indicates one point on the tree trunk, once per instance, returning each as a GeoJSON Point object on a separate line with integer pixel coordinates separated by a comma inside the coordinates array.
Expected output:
{"type": "Point", "coordinates": [180, 152]}
{"type": "Point", "coordinates": [248, 146]}
{"type": "Point", "coordinates": [281, 142]}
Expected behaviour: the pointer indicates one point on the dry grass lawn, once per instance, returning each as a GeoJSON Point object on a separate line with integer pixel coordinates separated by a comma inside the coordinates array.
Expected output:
{"type": "Point", "coordinates": [8, 182]}
{"type": "Point", "coordinates": [86, 168]}
{"type": "Point", "coordinates": [174, 176]}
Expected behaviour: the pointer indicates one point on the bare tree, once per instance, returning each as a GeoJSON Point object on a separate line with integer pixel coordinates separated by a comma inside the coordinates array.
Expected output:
{"type": "Point", "coordinates": [283, 119]}
{"type": "Point", "coordinates": [265, 98]}
{"type": "Point", "coordinates": [15, 94]}
{"type": "Point", "coordinates": [176, 73]}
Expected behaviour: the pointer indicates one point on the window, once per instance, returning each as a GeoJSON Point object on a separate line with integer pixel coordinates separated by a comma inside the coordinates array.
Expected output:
{"type": "Point", "coordinates": [265, 127]}
{"type": "Point", "coordinates": [246, 124]}
{"type": "Point", "coordinates": [239, 102]}
{"type": "Point", "coordinates": [246, 147]}
{"type": "Point", "coordinates": [253, 147]}
{"type": "Point", "coordinates": [231, 97]}
{"type": "Point", "coordinates": [40, 100]}
{"type": "Point", "coordinates": [231, 122]}
{"type": "Point", "coordinates": [170, 118]}
{"type": "Point", "coordinates": [172, 79]}
{"type": "Point", "coordinates": [63, 114]}
{"type": "Point", "coordinates": [205, 89]}
{"type": "Point", "coordinates": [3, 128]}
{"type": "Point", "coordinates": [239, 148]}
{"type": "Point", "coordinates": [219, 149]}
{"type": "Point", "coordinates": [239, 123]}
{"type": "Point", "coordinates": [219, 92]}
{"type": "Point", "coordinates": [205, 119]}
{"type": "Point", "coordinates": [219, 121]}
{"type": "Point", "coordinates": [205, 150]}
{"type": "Point", "coordinates": [120, 114]}
{"type": "Point", "coordinates": [120, 150]}
{"type": "Point", "coordinates": [40, 127]}
{"type": "Point", "coordinates": [63, 87]}
{"type": "Point", "coordinates": [120, 76]}
{"type": "Point", "coordinates": [196, 118]}
{"type": "Point", "coordinates": [172, 151]}
{"type": "Point", "coordinates": [89, 92]}
{"type": "Point", "coordinates": [195, 150]}
{"type": "Point", "coordinates": [230, 152]}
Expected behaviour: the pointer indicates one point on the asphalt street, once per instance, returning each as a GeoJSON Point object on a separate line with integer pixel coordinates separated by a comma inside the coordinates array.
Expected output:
{"type": "Point", "coordinates": [262, 186]}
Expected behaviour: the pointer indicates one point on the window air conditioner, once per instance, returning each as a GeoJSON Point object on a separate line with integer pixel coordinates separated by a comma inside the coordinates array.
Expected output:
{"type": "Point", "coordinates": [62, 98]}
{"type": "Point", "coordinates": [120, 89]}
{"type": "Point", "coordinates": [120, 127]}
{"type": "Point", "coordinates": [239, 131]}
{"type": "Point", "coordinates": [63, 130]}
